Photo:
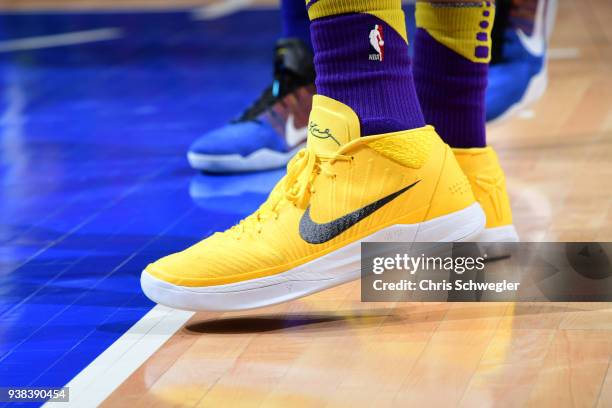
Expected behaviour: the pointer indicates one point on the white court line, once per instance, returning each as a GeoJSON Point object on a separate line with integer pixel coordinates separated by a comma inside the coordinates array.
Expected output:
{"type": "Point", "coordinates": [107, 372]}
{"type": "Point", "coordinates": [59, 40]}
{"type": "Point", "coordinates": [220, 9]}
{"type": "Point", "coordinates": [563, 53]}
{"type": "Point", "coordinates": [526, 114]}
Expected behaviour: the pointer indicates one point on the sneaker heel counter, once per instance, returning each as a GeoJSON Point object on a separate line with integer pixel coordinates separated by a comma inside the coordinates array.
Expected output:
{"type": "Point", "coordinates": [453, 191]}
{"type": "Point", "coordinates": [501, 211]}
{"type": "Point", "coordinates": [488, 183]}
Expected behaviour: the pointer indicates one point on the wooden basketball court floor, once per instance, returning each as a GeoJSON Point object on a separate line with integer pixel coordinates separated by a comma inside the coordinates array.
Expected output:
{"type": "Point", "coordinates": [330, 349]}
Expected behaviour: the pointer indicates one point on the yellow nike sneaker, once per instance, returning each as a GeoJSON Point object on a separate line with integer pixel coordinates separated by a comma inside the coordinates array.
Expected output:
{"type": "Point", "coordinates": [339, 191]}
{"type": "Point", "coordinates": [488, 182]}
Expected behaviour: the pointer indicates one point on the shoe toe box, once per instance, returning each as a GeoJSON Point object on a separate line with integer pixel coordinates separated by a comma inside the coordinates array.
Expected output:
{"type": "Point", "coordinates": [218, 260]}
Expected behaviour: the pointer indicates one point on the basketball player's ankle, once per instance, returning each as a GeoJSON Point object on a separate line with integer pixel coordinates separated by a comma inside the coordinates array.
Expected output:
{"type": "Point", "coordinates": [361, 59]}
{"type": "Point", "coordinates": [295, 22]}
{"type": "Point", "coordinates": [451, 61]}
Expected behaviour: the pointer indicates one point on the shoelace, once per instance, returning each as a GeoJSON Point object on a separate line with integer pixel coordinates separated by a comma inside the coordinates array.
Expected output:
{"type": "Point", "coordinates": [296, 187]}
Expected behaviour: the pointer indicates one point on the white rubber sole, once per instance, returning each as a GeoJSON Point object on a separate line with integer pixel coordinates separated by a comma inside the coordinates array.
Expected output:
{"type": "Point", "coordinates": [535, 90]}
{"type": "Point", "coordinates": [333, 269]}
{"type": "Point", "coordinates": [491, 241]}
{"type": "Point", "coordinates": [499, 234]}
{"type": "Point", "coordinates": [262, 159]}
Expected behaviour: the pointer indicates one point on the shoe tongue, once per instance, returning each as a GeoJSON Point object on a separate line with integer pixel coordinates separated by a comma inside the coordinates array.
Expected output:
{"type": "Point", "coordinates": [332, 124]}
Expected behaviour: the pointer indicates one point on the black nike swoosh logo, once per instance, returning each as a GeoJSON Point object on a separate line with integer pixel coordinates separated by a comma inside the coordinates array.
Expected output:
{"type": "Point", "coordinates": [314, 233]}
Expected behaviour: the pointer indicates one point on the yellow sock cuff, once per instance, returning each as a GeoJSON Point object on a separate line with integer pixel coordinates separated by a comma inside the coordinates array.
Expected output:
{"type": "Point", "coordinates": [463, 26]}
{"type": "Point", "coordinates": [390, 11]}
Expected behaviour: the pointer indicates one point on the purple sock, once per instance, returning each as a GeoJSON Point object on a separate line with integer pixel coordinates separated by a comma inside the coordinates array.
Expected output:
{"type": "Point", "coordinates": [377, 84]}
{"type": "Point", "coordinates": [452, 91]}
{"type": "Point", "coordinates": [451, 65]}
{"type": "Point", "coordinates": [295, 21]}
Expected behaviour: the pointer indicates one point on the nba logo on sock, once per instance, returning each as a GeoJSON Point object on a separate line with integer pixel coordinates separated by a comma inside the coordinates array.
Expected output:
{"type": "Point", "coordinates": [377, 44]}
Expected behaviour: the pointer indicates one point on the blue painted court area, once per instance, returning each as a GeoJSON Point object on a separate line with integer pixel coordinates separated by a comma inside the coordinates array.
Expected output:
{"type": "Point", "coordinates": [94, 180]}
{"type": "Point", "coordinates": [96, 114]}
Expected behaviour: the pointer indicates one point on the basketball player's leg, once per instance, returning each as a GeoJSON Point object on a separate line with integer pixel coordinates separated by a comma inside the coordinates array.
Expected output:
{"type": "Point", "coordinates": [294, 20]}
{"type": "Point", "coordinates": [374, 80]}
{"type": "Point", "coordinates": [452, 55]}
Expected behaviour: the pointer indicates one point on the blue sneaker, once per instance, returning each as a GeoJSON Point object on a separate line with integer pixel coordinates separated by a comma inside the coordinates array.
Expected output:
{"type": "Point", "coordinates": [273, 129]}
{"type": "Point", "coordinates": [520, 77]}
